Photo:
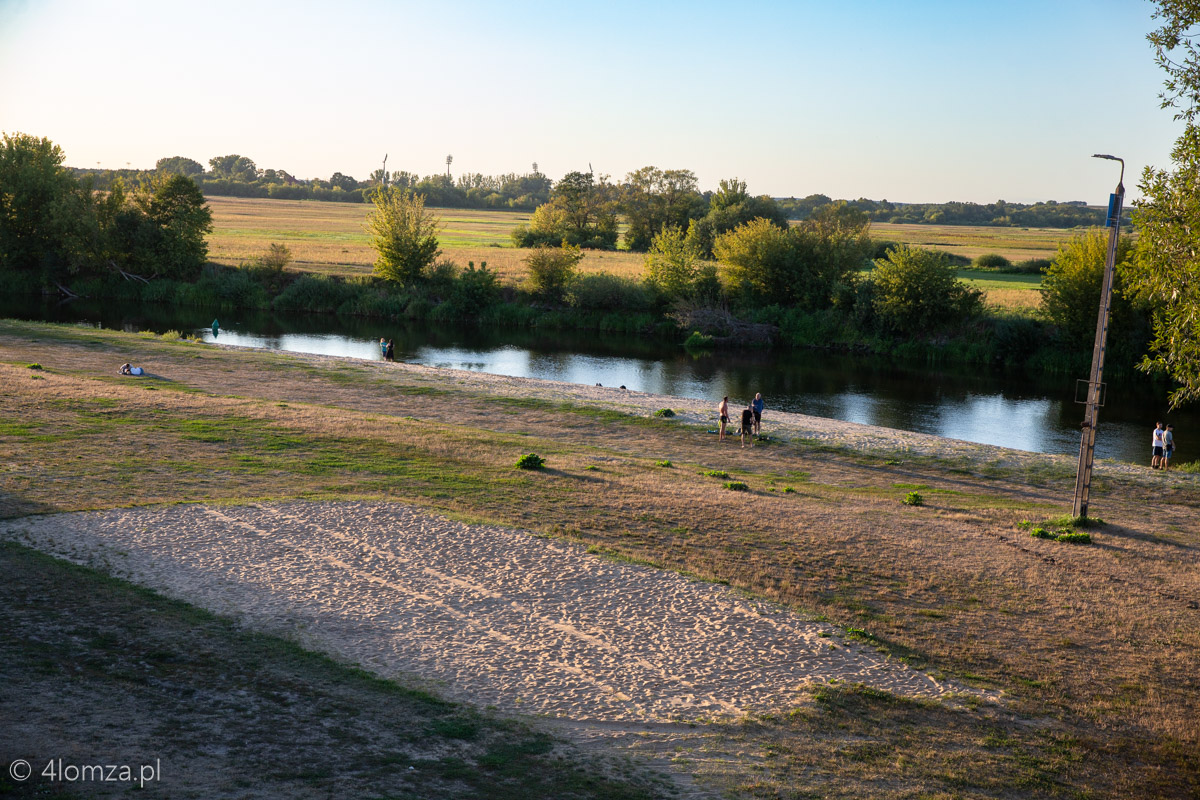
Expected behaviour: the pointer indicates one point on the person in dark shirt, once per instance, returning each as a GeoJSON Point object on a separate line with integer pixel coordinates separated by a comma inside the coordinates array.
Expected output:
{"type": "Point", "coordinates": [748, 425]}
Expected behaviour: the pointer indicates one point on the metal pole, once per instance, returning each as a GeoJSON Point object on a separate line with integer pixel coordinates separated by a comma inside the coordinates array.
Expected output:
{"type": "Point", "coordinates": [1087, 444]}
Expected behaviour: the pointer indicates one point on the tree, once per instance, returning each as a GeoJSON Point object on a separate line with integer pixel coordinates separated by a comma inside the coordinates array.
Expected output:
{"type": "Point", "coordinates": [917, 290]}
{"type": "Point", "coordinates": [1164, 271]}
{"type": "Point", "coordinates": [653, 199]}
{"type": "Point", "coordinates": [731, 205]}
{"type": "Point", "coordinates": [1071, 288]}
{"type": "Point", "coordinates": [179, 165]}
{"type": "Point", "coordinates": [403, 233]}
{"type": "Point", "coordinates": [233, 167]}
{"type": "Point", "coordinates": [581, 211]}
{"type": "Point", "coordinates": [47, 220]}
{"type": "Point", "coordinates": [343, 182]}
{"type": "Point", "coordinates": [175, 205]}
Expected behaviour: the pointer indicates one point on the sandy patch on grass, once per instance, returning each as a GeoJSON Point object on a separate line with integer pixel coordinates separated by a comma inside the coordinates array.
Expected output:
{"type": "Point", "coordinates": [489, 615]}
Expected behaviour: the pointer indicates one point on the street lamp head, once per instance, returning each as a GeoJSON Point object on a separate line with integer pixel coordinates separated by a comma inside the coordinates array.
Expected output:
{"type": "Point", "coordinates": [1110, 158]}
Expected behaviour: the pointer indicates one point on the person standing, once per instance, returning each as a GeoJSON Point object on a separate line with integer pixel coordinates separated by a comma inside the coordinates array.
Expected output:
{"type": "Point", "coordinates": [1168, 446]}
{"type": "Point", "coordinates": [757, 406]}
{"type": "Point", "coordinates": [390, 352]}
{"type": "Point", "coordinates": [1156, 446]}
{"type": "Point", "coordinates": [723, 418]}
{"type": "Point", "coordinates": [748, 424]}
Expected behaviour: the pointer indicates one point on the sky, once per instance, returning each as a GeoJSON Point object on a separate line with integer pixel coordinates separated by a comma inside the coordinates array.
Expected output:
{"type": "Point", "coordinates": [907, 100]}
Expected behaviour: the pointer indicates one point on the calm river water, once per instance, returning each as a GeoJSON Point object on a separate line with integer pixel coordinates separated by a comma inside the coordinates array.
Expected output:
{"type": "Point", "coordinates": [1001, 408]}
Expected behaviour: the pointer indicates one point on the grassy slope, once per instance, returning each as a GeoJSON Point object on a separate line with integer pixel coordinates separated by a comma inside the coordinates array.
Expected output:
{"type": "Point", "coordinates": [1093, 646]}
{"type": "Point", "coordinates": [224, 711]}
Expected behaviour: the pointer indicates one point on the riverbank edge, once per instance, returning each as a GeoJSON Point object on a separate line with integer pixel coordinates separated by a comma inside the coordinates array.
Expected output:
{"type": "Point", "coordinates": [993, 339]}
{"type": "Point", "coordinates": [850, 438]}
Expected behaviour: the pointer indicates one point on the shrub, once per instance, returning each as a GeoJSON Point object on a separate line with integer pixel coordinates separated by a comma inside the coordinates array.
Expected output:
{"type": "Point", "coordinates": [699, 341]}
{"type": "Point", "coordinates": [714, 473]}
{"type": "Point", "coordinates": [992, 261]}
{"type": "Point", "coordinates": [736, 486]}
{"type": "Point", "coordinates": [673, 263]}
{"type": "Point", "coordinates": [1041, 533]}
{"type": "Point", "coordinates": [913, 499]}
{"type": "Point", "coordinates": [551, 269]}
{"type": "Point", "coordinates": [917, 290]}
{"type": "Point", "coordinates": [602, 291]}
{"type": "Point", "coordinates": [475, 289]}
{"type": "Point", "coordinates": [35, 365]}
{"type": "Point", "coordinates": [664, 412]}
{"type": "Point", "coordinates": [788, 490]}
{"type": "Point", "coordinates": [664, 463]}
{"type": "Point", "coordinates": [1034, 266]}
{"type": "Point", "coordinates": [530, 461]}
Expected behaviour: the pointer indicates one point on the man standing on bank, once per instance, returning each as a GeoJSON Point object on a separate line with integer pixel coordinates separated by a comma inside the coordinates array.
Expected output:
{"type": "Point", "coordinates": [757, 407]}
{"type": "Point", "coordinates": [1156, 446]}
{"type": "Point", "coordinates": [723, 414]}
{"type": "Point", "coordinates": [1168, 446]}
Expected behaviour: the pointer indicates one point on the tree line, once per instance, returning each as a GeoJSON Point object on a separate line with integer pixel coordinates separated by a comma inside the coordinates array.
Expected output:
{"type": "Point", "coordinates": [1048, 214]}
{"type": "Point", "coordinates": [238, 176]}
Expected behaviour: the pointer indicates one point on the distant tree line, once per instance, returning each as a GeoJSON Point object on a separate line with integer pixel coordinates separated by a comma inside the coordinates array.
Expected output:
{"type": "Point", "coordinates": [238, 176]}
{"type": "Point", "coordinates": [1049, 214]}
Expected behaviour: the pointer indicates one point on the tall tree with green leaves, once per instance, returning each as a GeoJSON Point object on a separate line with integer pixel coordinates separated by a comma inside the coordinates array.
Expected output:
{"type": "Point", "coordinates": [403, 233]}
{"type": "Point", "coordinates": [47, 223]}
{"type": "Point", "coordinates": [1165, 273]}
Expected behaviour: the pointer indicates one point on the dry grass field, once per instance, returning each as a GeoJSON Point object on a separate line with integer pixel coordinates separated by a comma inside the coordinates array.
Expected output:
{"type": "Point", "coordinates": [329, 238]}
{"type": "Point", "coordinates": [1092, 647]}
{"type": "Point", "coordinates": [1015, 244]}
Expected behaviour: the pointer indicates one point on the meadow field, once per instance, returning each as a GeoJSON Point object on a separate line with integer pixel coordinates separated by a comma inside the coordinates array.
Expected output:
{"type": "Point", "coordinates": [329, 238]}
{"type": "Point", "coordinates": [1086, 651]}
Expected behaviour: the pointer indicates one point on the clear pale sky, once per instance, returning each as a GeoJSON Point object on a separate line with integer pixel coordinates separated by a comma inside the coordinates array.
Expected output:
{"type": "Point", "coordinates": [913, 101]}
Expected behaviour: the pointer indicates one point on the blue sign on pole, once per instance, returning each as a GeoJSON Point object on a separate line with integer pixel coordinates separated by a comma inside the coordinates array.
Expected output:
{"type": "Point", "coordinates": [1114, 209]}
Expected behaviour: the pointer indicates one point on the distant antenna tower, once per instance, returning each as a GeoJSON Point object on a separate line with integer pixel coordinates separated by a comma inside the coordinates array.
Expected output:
{"type": "Point", "coordinates": [384, 174]}
{"type": "Point", "coordinates": [448, 160]}
{"type": "Point", "coordinates": [535, 169]}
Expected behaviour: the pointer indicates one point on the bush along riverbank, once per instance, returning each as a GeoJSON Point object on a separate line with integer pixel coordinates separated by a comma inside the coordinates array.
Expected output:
{"type": "Point", "coordinates": [605, 303]}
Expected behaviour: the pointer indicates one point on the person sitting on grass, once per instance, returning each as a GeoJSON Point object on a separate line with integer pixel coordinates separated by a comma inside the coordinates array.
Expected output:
{"type": "Point", "coordinates": [129, 369]}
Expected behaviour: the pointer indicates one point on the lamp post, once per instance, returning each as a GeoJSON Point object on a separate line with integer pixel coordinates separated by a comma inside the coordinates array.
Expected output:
{"type": "Point", "coordinates": [1095, 387]}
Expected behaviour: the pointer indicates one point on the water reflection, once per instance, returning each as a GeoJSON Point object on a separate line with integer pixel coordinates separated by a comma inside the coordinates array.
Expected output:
{"type": "Point", "coordinates": [1011, 410]}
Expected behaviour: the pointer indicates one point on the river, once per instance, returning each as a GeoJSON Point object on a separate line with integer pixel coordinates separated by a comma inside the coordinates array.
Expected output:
{"type": "Point", "coordinates": [1005, 408]}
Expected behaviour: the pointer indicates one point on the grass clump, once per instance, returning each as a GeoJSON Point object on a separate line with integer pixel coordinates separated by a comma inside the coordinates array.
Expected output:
{"type": "Point", "coordinates": [1074, 537]}
{"type": "Point", "coordinates": [913, 499]}
{"type": "Point", "coordinates": [34, 365]}
{"type": "Point", "coordinates": [666, 413]}
{"type": "Point", "coordinates": [737, 486]}
{"type": "Point", "coordinates": [789, 490]}
{"type": "Point", "coordinates": [666, 464]}
{"type": "Point", "coordinates": [714, 473]}
{"type": "Point", "coordinates": [530, 461]}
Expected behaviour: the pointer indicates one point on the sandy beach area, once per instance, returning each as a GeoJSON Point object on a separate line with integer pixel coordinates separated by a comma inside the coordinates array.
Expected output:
{"type": "Point", "coordinates": [488, 615]}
